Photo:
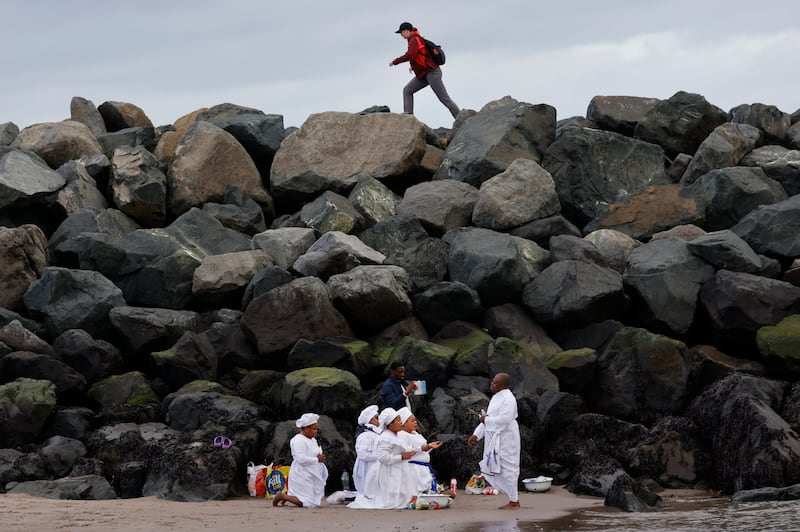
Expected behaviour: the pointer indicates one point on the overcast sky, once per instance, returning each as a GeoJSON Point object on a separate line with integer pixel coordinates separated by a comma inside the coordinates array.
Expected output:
{"type": "Point", "coordinates": [171, 57]}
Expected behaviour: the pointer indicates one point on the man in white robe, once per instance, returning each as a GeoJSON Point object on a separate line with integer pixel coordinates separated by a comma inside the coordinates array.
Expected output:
{"type": "Point", "coordinates": [501, 447]}
{"type": "Point", "coordinates": [308, 473]}
{"type": "Point", "coordinates": [388, 485]}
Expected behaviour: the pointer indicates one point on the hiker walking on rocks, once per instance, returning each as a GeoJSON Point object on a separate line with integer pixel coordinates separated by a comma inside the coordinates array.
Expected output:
{"type": "Point", "coordinates": [426, 71]}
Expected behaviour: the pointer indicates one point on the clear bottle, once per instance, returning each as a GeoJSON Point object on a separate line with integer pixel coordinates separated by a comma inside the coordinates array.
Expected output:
{"type": "Point", "coordinates": [345, 481]}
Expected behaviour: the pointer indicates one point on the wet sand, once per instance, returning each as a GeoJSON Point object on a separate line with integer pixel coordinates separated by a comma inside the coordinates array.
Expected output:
{"type": "Point", "coordinates": [26, 513]}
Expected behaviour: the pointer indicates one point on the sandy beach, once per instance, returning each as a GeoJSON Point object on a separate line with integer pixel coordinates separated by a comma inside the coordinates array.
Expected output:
{"type": "Point", "coordinates": [26, 513]}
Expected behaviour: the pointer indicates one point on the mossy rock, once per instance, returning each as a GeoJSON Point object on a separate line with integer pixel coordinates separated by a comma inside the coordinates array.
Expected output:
{"type": "Point", "coordinates": [574, 368]}
{"type": "Point", "coordinates": [529, 375]}
{"type": "Point", "coordinates": [331, 391]}
{"type": "Point", "coordinates": [129, 388]}
{"type": "Point", "coordinates": [25, 405]}
{"type": "Point", "coordinates": [425, 360]}
{"type": "Point", "coordinates": [472, 351]}
{"type": "Point", "coordinates": [780, 346]}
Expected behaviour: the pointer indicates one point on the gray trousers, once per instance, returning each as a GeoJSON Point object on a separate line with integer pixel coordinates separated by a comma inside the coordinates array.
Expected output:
{"type": "Point", "coordinates": [434, 79]}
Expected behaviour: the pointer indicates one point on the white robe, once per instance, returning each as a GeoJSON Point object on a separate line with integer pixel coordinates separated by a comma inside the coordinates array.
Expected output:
{"type": "Point", "coordinates": [420, 474]}
{"type": "Point", "coordinates": [501, 449]}
{"type": "Point", "coordinates": [366, 457]}
{"type": "Point", "coordinates": [307, 475]}
{"type": "Point", "coordinates": [388, 485]}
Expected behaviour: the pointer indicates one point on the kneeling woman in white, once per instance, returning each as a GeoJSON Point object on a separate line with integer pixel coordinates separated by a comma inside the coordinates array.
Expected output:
{"type": "Point", "coordinates": [308, 473]}
{"type": "Point", "coordinates": [366, 446]}
{"type": "Point", "coordinates": [388, 485]}
{"type": "Point", "coordinates": [422, 475]}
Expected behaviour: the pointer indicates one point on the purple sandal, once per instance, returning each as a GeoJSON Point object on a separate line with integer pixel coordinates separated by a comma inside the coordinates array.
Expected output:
{"type": "Point", "coordinates": [222, 441]}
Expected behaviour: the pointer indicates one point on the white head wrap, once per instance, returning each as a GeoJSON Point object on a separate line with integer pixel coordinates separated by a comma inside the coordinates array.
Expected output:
{"type": "Point", "coordinates": [306, 420]}
{"type": "Point", "coordinates": [367, 414]}
{"type": "Point", "coordinates": [404, 414]}
{"type": "Point", "coordinates": [387, 416]}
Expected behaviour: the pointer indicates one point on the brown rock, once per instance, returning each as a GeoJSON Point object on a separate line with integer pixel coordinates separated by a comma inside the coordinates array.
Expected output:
{"type": "Point", "coordinates": [58, 142]}
{"type": "Point", "coordinates": [23, 256]}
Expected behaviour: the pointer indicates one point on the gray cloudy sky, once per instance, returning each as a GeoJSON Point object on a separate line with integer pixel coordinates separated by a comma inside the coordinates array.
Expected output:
{"type": "Point", "coordinates": [295, 58]}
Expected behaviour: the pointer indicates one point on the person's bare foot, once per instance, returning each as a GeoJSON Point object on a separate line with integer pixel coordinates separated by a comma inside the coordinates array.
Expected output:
{"type": "Point", "coordinates": [510, 506]}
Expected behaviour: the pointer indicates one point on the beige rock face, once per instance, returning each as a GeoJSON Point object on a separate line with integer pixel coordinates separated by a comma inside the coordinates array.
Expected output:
{"type": "Point", "coordinates": [206, 161]}
{"type": "Point", "coordinates": [58, 142]}
{"type": "Point", "coordinates": [122, 115]}
{"type": "Point", "coordinates": [332, 151]}
{"type": "Point", "coordinates": [23, 256]}
{"type": "Point", "coordinates": [222, 274]}
{"type": "Point", "coordinates": [168, 142]}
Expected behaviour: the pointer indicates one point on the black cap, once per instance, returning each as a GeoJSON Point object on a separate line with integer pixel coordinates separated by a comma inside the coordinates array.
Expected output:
{"type": "Point", "coordinates": [405, 26]}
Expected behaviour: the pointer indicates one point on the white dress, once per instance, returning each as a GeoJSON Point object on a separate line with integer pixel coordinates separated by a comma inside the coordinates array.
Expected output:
{"type": "Point", "coordinates": [388, 485]}
{"type": "Point", "coordinates": [366, 457]}
{"type": "Point", "coordinates": [421, 476]}
{"type": "Point", "coordinates": [500, 463]}
{"type": "Point", "coordinates": [307, 475]}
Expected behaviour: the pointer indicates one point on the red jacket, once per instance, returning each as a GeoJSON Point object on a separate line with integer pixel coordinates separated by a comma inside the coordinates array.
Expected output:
{"type": "Point", "coordinates": [417, 54]}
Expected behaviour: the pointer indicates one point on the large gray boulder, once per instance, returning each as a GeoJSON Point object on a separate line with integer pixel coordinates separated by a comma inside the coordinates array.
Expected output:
{"type": "Point", "coordinates": [440, 205]}
{"type": "Point", "coordinates": [496, 265]}
{"type": "Point", "coordinates": [80, 191]}
{"type": "Point", "coordinates": [333, 151]}
{"type": "Point", "coordinates": [284, 245]}
{"type": "Point", "coordinates": [138, 186]}
{"type": "Point", "coordinates": [331, 390]}
{"type": "Point", "coordinates": [130, 388]}
{"type": "Point", "coordinates": [331, 212]}
{"type": "Point", "coordinates": [25, 405]}
{"type": "Point", "coordinates": [335, 252]}
{"type": "Point", "coordinates": [58, 142]}
{"type": "Point", "coordinates": [593, 169]}
{"type": "Point", "coordinates": [575, 293]}
{"type": "Point", "coordinates": [486, 143]}
{"type": "Point", "coordinates": [206, 161]}
{"type": "Point", "coordinates": [523, 192]}
{"type": "Point", "coordinates": [73, 299]}
{"type": "Point", "coordinates": [70, 385]}
{"type": "Point", "coordinates": [738, 304]}
{"type": "Point", "coordinates": [726, 251]}
{"type": "Point", "coordinates": [372, 296]}
{"type": "Point", "coordinates": [529, 374]}
{"type": "Point", "coordinates": [373, 200]}
{"type": "Point", "coordinates": [191, 358]}
{"type": "Point", "coordinates": [8, 132]}
{"type": "Point", "coordinates": [615, 247]}
{"type": "Point", "coordinates": [779, 163]}
{"type": "Point", "coordinates": [259, 133]}
{"type": "Point", "coordinates": [239, 212]}
{"type": "Point", "coordinates": [641, 376]}
{"type": "Point", "coordinates": [190, 411]}
{"type": "Point", "coordinates": [444, 302]}
{"type": "Point", "coordinates": [724, 147]}
{"type": "Point", "coordinates": [142, 330]}
{"type": "Point", "coordinates": [86, 220]}
{"type": "Point", "coordinates": [751, 446]}
{"type": "Point", "coordinates": [730, 193]}
{"type": "Point", "coordinates": [680, 123]}
{"type": "Point", "coordinates": [768, 118]}
{"type": "Point", "coordinates": [664, 279]}
{"type": "Point", "coordinates": [61, 454]}
{"type": "Point", "coordinates": [275, 320]}
{"type": "Point", "coordinates": [83, 488]}
{"type": "Point", "coordinates": [772, 229]}
{"type": "Point", "coordinates": [23, 256]}
{"type": "Point", "coordinates": [123, 115]}
{"type": "Point", "coordinates": [405, 243]}
{"type": "Point", "coordinates": [515, 322]}
{"type": "Point", "coordinates": [24, 176]}
{"type": "Point", "coordinates": [222, 279]}
{"type": "Point", "coordinates": [84, 111]}
{"type": "Point", "coordinates": [619, 114]}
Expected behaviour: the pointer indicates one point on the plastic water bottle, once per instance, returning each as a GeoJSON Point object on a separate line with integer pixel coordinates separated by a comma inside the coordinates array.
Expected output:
{"type": "Point", "coordinates": [453, 485]}
{"type": "Point", "coordinates": [345, 480]}
{"type": "Point", "coordinates": [490, 491]}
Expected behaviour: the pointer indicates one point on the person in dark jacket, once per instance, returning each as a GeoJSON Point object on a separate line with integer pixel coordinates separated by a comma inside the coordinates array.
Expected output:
{"type": "Point", "coordinates": [425, 70]}
{"type": "Point", "coordinates": [396, 390]}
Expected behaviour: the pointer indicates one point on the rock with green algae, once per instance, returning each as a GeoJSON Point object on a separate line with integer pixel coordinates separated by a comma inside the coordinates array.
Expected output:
{"type": "Point", "coordinates": [424, 360]}
{"type": "Point", "coordinates": [471, 344]}
{"type": "Point", "coordinates": [574, 368]}
{"type": "Point", "coordinates": [528, 373]}
{"type": "Point", "coordinates": [331, 390]}
{"type": "Point", "coordinates": [130, 388]}
{"type": "Point", "coordinates": [25, 405]}
{"type": "Point", "coordinates": [780, 345]}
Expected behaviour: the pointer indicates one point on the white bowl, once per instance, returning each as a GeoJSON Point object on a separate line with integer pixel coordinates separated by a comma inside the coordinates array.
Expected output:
{"type": "Point", "coordinates": [537, 483]}
{"type": "Point", "coordinates": [440, 498]}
